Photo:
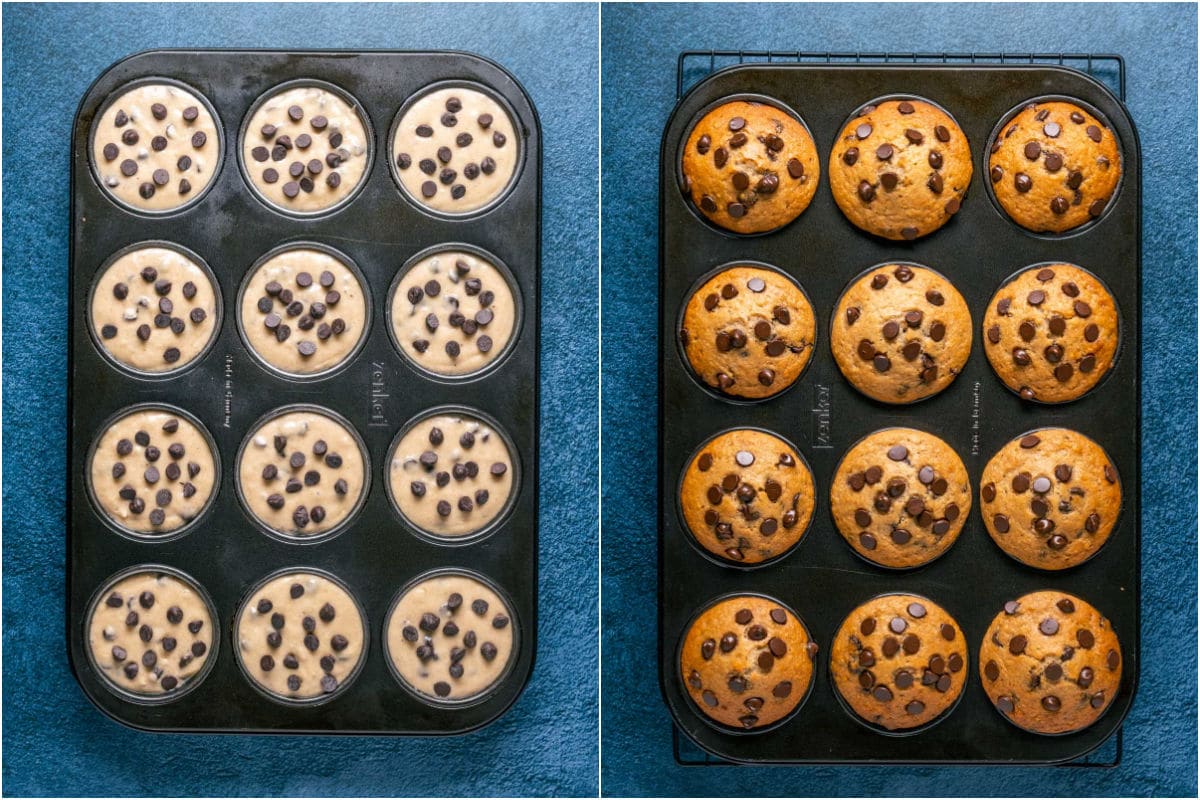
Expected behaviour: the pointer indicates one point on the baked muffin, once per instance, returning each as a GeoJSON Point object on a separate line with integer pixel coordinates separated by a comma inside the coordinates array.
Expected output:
{"type": "Point", "coordinates": [901, 333]}
{"type": "Point", "coordinates": [747, 496]}
{"type": "Point", "coordinates": [900, 168]}
{"type": "Point", "coordinates": [748, 332]}
{"type": "Point", "coordinates": [899, 661]}
{"type": "Point", "coordinates": [747, 662]}
{"type": "Point", "coordinates": [900, 497]}
{"type": "Point", "coordinates": [1050, 663]}
{"type": "Point", "coordinates": [1054, 167]}
{"type": "Point", "coordinates": [750, 167]}
{"type": "Point", "coordinates": [1050, 498]}
{"type": "Point", "coordinates": [1052, 332]}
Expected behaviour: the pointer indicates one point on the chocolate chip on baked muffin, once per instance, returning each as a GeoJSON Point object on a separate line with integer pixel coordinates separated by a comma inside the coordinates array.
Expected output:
{"type": "Point", "coordinates": [899, 661]}
{"type": "Point", "coordinates": [750, 167]}
{"type": "Point", "coordinates": [1050, 663]}
{"type": "Point", "coordinates": [901, 333]}
{"type": "Point", "coordinates": [747, 496]}
{"type": "Point", "coordinates": [748, 332]}
{"type": "Point", "coordinates": [900, 497]}
{"type": "Point", "coordinates": [900, 168]}
{"type": "Point", "coordinates": [1050, 498]}
{"type": "Point", "coordinates": [1054, 166]}
{"type": "Point", "coordinates": [747, 662]}
{"type": "Point", "coordinates": [1052, 332]}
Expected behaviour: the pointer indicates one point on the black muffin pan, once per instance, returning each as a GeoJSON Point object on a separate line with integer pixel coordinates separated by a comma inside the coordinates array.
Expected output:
{"type": "Point", "coordinates": [823, 579]}
{"type": "Point", "coordinates": [378, 391]}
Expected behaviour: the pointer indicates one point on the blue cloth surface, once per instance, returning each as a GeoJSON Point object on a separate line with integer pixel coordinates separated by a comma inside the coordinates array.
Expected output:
{"type": "Point", "coordinates": [55, 742]}
{"type": "Point", "coordinates": [639, 50]}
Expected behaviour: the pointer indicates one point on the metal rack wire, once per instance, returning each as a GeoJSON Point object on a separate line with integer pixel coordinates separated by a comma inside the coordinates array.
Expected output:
{"type": "Point", "coordinates": [695, 65]}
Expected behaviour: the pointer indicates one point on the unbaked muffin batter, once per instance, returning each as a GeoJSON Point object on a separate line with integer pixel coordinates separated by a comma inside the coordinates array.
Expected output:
{"type": "Point", "coordinates": [302, 473]}
{"type": "Point", "coordinates": [453, 313]}
{"type": "Point", "coordinates": [154, 310]}
{"type": "Point", "coordinates": [303, 311]}
{"type": "Point", "coordinates": [156, 147]}
{"type": "Point", "coordinates": [455, 150]}
{"type": "Point", "coordinates": [150, 634]}
{"type": "Point", "coordinates": [450, 637]}
{"type": "Point", "coordinates": [451, 474]}
{"type": "Point", "coordinates": [305, 149]}
{"type": "Point", "coordinates": [153, 471]}
{"type": "Point", "coordinates": [300, 636]}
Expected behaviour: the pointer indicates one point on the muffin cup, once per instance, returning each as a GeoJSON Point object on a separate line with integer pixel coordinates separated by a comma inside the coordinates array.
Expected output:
{"type": "Point", "coordinates": [518, 129]}
{"type": "Point", "coordinates": [182, 530]}
{"type": "Point", "coordinates": [368, 138]}
{"type": "Point", "coordinates": [368, 306]}
{"type": "Point", "coordinates": [336, 530]}
{"type": "Point", "coordinates": [518, 319]}
{"type": "Point", "coordinates": [217, 124]}
{"type": "Point", "coordinates": [987, 154]}
{"type": "Point", "coordinates": [496, 522]}
{"type": "Point", "coordinates": [513, 657]}
{"type": "Point", "coordinates": [722, 562]}
{"type": "Point", "coordinates": [343, 685]}
{"type": "Point", "coordinates": [712, 723]}
{"type": "Point", "coordinates": [209, 661]}
{"type": "Point", "coordinates": [217, 320]}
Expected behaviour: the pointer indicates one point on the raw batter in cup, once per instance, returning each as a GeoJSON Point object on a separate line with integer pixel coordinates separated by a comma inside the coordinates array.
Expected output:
{"type": "Point", "coordinates": [453, 313]}
{"type": "Point", "coordinates": [300, 636]}
{"type": "Point", "coordinates": [156, 147]}
{"type": "Point", "coordinates": [455, 150]}
{"type": "Point", "coordinates": [450, 637]}
{"type": "Point", "coordinates": [150, 634]}
{"type": "Point", "coordinates": [153, 471]}
{"type": "Point", "coordinates": [302, 473]}
{"type": "Point", "coordinates": [154, 310]}
{"type": "Point", "coordinates": [451, 474]}
{"type": "Point", "coordinates": [306, 149]}
{"type": "Point", "coordinates": [303, 311]}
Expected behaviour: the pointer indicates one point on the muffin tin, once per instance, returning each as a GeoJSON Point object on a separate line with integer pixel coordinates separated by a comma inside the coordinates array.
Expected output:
{"type": "Point", "coordinates": [378, 391]}
{"type": "Point", "coordinates": [823, 578]}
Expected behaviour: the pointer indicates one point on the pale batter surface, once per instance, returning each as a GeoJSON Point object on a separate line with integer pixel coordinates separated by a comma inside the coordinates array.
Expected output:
{"type": "Point", "coordinates": [302, 473]}
{"type": "Point", "coordinates": [303, 311]}
{"type": "Point", "coordinates": [451, 475]}
{"type": "Point", "coordinates": [453, 313]}
{"type": "Point", "coordinates": [154, 310]}
{"type": "Point", "coordinates": [152, 472]}
{"type": "Point", "coordinates": [455, 150]}
{"type": "Point", "coordinates": [305, 149]}
{"type": "Point", "coordinates": [450, 637]}
{"type": "Point", "coordinates": [150, 633]}
{"type": "Point", "coordinates": [300, 636]}
{"type": "Point", "coordinates": [156, 147]}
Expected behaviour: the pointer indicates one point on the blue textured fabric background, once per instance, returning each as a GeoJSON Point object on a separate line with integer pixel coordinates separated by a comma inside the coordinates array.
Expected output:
{"type": "Point", "coordinates": [55, 742]}
{"type": "Point", "coordinates": [640, 46]}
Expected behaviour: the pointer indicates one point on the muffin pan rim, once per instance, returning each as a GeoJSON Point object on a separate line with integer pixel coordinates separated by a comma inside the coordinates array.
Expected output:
{"type": "Point", "coordinates": [815, 660]}
{"type": "Point", "coordinates": [513, 656]}
{"type": "Point", "coordinates": [518, 168]}
{"type": "Point", "coordinates": [510, 280]}
{"type": "Point", "coordinates": [218, 314]}
{"type": "Point", "coordinates": [343, 685]}
{"type": "Point", "coordinates": [1078, 230]}
{"type": "Point", "coordinates": [1129, 214]}
{"type": "Point", "coordinates": [691, 537]}
{"type": "Point", "coordinates": [182, 530]}
{"type": "Point", "coordinates": [368, 138]}
{"type": "Point", "coordinates": [210, 657]}
{"type": "Point", "coordinates": [117, 94]}
{"type": "Point", "coordinates": [352, 355]}
{"type": "Point", "coordinates": [681, 351]}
